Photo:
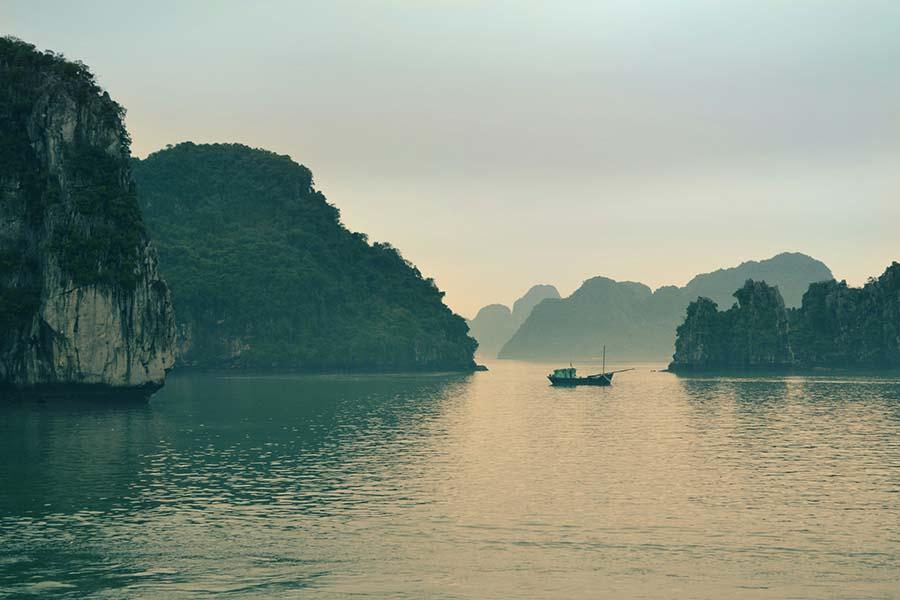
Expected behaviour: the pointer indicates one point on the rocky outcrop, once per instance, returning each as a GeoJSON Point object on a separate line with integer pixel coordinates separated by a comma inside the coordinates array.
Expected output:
{"type": "Point", "coordinates": [836, 326]}
{"type": "Point", "coordinates": [81, 299]}
{"type": "Point", "coordinates": [754, 333]}
{"type": "Point", "coordinates": [699, 340]}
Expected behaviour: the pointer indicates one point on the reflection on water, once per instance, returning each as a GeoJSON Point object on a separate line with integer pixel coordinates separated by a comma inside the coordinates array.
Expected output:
{"type": "Point", "coordinates": [490, 485]}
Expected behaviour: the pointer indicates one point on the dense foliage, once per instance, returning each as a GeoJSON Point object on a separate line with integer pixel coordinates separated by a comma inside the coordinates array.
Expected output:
{"type": "Point", "coordinates": [96, 182]}
{"type": "Point", "coordinates": [752, 333]}
{"type": "Point", "coordinates": [87, 204]}
{"type": "Point", "coordinates": [106, 251]}
{"type": "Point", "coordinates": [26, 73]}
{"type": "Point", "coordinates": [264, 275]}
{"type": "Point", "coordinates": [835, 326]}
{"type": "Point", "coordinates": [838, 324]}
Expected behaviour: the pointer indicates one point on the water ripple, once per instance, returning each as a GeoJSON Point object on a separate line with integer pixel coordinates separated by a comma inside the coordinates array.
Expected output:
{"type": "Point", "coordinates": [485, 486]}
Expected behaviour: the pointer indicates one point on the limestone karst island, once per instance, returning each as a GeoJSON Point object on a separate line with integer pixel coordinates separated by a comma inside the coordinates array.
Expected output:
{"type": "Point", "coordinates": [82, 301]}
{"type": "Point", "coordinates": [449, 300]}
{"type": "Point", "coordinates": [263, 273]}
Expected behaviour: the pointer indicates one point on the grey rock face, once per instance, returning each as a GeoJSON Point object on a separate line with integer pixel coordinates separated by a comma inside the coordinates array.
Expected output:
{"type": "Point", "coordinates": [81, 299]}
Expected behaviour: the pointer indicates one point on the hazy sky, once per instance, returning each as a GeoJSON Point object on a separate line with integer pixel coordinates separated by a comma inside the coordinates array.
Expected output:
{"type": "Point", "coordinates": [502, 144]}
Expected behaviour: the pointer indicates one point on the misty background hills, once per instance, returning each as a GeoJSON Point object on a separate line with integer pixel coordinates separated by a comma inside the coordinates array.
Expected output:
{"type": "Point", "coordinates": [496, 323]}
{"type": "Point", "coordinates": [635, 322]}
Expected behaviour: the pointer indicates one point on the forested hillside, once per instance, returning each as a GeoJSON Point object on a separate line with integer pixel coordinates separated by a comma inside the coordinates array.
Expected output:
{"type": "Point", "coordinates": [264, 275]}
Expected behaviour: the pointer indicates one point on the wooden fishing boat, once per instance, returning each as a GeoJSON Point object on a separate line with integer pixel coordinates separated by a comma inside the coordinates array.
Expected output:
{"type": "Point", "coordinates": [569, 376]}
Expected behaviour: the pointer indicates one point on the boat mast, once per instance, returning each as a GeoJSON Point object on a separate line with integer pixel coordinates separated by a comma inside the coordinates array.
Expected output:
{"type": "Point", "coordinates": [604, 359]}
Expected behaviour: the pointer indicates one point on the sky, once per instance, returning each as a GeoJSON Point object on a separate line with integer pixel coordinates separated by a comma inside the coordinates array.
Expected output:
{"type": "Point", "coordinates": [504, 144]}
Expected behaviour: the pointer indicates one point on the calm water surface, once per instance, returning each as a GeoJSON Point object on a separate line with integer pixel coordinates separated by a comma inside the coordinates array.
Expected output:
{"type": "Point", "coordinates": [491, 485]}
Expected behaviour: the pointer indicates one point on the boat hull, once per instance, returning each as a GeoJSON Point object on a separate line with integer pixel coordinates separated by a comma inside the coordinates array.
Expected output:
{"type": "Point", "coordinates": [602, 380]}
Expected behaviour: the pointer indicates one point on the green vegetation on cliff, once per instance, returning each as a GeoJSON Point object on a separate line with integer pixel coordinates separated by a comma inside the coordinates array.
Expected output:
{"type": "Point", "coordinates": [97, 241]}
{"type": "Point", "coordinates": [81, 302]}
{"type": "Point", "coordinates": [840, 325]}
{"type": "Point", "coordinates": [752, 333]}
{"type": "Point", "coordinates": [835, 326]}
{"type": "Point", "coordinates": [264, 274]}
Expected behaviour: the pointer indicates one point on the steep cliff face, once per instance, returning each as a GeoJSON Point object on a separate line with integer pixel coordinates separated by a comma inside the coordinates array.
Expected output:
{"type": "Point", "coordinates": [836, 326]}
{"type": "Point", "coordinates": [81, 299]}
{"type": "Point", "coordinates": [760, 326]}
{"type": "Point", "coordinates": [264, 275]}
{"type": "Point", "coordinates": [755, 333]}
{"type": "Point", "coordinates": [698, 340]}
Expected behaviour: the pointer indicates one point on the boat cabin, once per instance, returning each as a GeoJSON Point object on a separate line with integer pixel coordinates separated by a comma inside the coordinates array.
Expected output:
{"type": "Point", "coordinates": [568, 373]}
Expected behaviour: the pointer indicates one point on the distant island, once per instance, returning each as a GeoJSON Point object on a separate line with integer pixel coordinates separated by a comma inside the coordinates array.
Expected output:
{"type": "Point", "coordinates": [82, 304]}
{"type": "Point", "coordinates": [265, 276]}
{"type": "Point", "coordinates": [836, 326]}
{"type": "Point", "coordinates": [496, 323]}
{"type": "Point", "coordinates": [637, 323]}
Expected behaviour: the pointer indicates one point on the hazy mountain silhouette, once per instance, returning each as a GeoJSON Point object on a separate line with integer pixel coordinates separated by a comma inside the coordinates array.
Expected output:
{"type": "Point", "coordinates": [494, 324]}
{"type": "Point", "coordinates": [638, 324]}
{"type": "Point", "coordinates": [792, 272]}
{"type": "Point", "coordinates": [538, 293]}
{"type": "Point", "coordinates": [492, 327]}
